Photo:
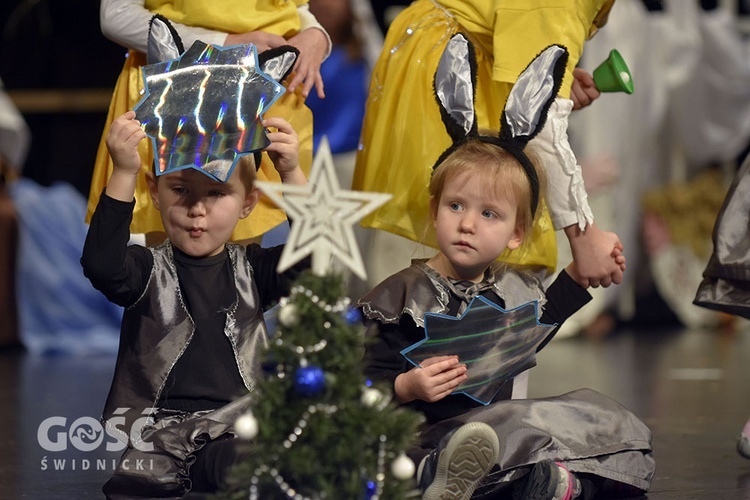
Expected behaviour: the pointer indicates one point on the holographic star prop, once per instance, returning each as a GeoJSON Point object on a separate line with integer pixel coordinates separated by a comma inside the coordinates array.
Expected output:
{"type": "Point", "coordinates": [322, 217]}
{"type": "Point", "coordinates": [203, 109]}
{"type": "Point", "coordinates": [495, 344]}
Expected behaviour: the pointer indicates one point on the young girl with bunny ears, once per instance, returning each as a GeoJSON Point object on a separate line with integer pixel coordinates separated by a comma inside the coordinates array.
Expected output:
{"type": "Point", "coordinates": [484, 195]}
{"type": "Point", "coordinates": [507, 34]}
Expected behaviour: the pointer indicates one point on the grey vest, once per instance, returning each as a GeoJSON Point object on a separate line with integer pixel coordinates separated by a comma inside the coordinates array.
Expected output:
{"type": "Point", "coordinates": [157, 329]}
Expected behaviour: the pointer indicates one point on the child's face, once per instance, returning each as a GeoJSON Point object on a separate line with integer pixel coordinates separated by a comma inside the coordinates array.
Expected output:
{"type": "Point", "coordinates": [474, 226]}
{"type": "Point", "coordinates": [199, 213]}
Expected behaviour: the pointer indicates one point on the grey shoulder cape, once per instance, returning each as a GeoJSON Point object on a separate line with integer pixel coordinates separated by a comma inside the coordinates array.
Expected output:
{"type": "Point", "coordinates": [419, 289]}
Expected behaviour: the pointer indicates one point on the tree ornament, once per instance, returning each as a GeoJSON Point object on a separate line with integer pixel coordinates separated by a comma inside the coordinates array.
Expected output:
{"type": "Point", "coordinates": [324, 217]}
{"type": "Point", "coordinates": [403, 467]}
{"type": "Point", "coordinates": [246, 426]}
{"type": "Point", "coordinates": [288, 315]}
{"type": "Point", "coordinates": [371, 488]}
{"type": "Point", "coordinates": [309, 380]}
{"type": "Point", "coordinates": [353, 316]}
{"type": "Point", "coordinates": [371, 397]}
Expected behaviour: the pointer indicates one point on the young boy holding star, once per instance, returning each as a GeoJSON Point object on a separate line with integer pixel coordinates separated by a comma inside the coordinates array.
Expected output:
{"type": "Point", "coordinates": [193, 325]}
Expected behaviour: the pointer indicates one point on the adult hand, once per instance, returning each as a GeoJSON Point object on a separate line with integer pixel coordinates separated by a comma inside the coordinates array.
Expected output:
{"type": "Point", "coordinates": [261, 39]}
{"type": "Point", "coordinates": [313, 46]}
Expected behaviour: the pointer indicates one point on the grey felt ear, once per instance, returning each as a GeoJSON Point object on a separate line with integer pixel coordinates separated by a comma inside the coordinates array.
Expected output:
{"type": "Point", "coordinates": [455, 83]}
{"type": "Point", "coordinates": [532, 95]}
{"type": "Point", "coordinates": [164, 42]}
{"type": "Point", "coordinates": [278, 62]}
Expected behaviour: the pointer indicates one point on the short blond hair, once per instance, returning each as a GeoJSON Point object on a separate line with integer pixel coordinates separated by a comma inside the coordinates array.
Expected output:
{"type": "Point", "coordinates": [246, 168]}
{"type": "Point", "coordinates": [247, 171]}
{"type": "Point", "coordinates": [503, 174]}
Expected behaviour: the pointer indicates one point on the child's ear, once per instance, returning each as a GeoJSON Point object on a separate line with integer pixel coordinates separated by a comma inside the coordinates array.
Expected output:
{"type": "Point", "coordinates": [516, 239]}
{"type": "Point", "coordinates": [153, 188]}
{"type": "Point", "coordinates": [250, 201]}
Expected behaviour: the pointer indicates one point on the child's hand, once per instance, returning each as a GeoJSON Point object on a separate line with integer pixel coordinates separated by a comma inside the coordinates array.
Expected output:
{"type": "Point", "coordinates": [313, 46]}
{"type": "Point", "coordinates": [436, 378]}
{"type": "Point", "coordinates": [583, 91]}
{"type": "Point", "coordinates": [594, 256]}
{"type": "Point", "coordinates": [284, 150]}
{"type": "Point", "coordinates": [619, 257]}
{"type": "Point", "coordinates": [261, 39]}
{"type": "Point", "coordinates": [122, 142]}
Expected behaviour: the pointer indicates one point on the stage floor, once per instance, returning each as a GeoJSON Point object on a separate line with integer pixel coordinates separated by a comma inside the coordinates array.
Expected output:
{"type": "Point", "coordinates": [691, 387]}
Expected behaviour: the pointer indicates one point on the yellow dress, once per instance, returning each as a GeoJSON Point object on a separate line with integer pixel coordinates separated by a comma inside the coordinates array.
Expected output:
{"type": "Point", "coordinates": [403, 135]}
{"type": "Point", "coordinates": [232, 16]}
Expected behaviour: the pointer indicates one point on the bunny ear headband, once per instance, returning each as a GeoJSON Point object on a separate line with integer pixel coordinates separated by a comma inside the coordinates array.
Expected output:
{"type": "Point", "coordinates": [525, 110]}
{"type": "Point", "coordinates": [203, 107]}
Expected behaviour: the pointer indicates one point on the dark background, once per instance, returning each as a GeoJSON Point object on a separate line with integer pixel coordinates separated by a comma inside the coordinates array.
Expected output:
{"type": "Point", "coordinates": [55, 48]}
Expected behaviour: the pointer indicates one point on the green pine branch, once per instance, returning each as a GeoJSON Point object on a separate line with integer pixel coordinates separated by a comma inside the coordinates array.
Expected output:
{"type": "Point", "coordinates": [343, 444]}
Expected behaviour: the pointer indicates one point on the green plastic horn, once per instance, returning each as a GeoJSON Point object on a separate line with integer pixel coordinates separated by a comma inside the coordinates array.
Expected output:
{"type": "Point", "coordinates": [613, 75]}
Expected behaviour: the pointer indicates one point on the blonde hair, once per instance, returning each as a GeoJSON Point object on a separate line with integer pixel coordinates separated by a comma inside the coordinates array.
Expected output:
{"type": "Point", "coordinates": [503, 174]}
{"type": "Point", "coordinates": [247, 167]}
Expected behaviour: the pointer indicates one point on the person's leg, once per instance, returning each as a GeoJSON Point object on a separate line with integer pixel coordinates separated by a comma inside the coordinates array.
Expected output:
{"type": "Point", "coordinates": [147, 475]}
{"type": "Point", "coordinates": [547, 480]}
{"type": "Point", "coordinates": [213, 463]}
{"type": "Point", "coordinates": [459, 463]}
{"type": "Point", "coordinates": [613, 446]}
{"type": "Point", "coordinates": [743, 445]}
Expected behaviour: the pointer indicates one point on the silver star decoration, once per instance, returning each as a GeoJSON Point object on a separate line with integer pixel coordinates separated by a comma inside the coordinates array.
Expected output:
{"type": "Point", "coordinates": [495, 344]}
{"type": "Point", "coordinates": [323, 217]}
{"type": "Point", "coordinates": [203, 110]}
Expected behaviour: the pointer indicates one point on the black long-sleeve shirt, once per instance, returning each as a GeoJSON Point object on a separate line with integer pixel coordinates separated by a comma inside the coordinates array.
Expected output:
{"type": "Point", "coordinates": [385, 362]}
{"type": "Point", "coordinates": [206, 375]}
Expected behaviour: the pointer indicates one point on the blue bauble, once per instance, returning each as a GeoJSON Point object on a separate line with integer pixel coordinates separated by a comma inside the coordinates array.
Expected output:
{"type": "Point", "coordinates": [353, 315]}
{"type": "Point", "coordinates": [309, 380]}
{"type": "Point", "coordinates": [370, 489]}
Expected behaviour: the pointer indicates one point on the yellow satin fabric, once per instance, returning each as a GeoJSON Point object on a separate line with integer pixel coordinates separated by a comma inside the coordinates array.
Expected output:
{"type": "Point", "coordinates": [232, 16]}
{"type": "Point", "coordinates": [403, 134]}
{"type": "Point", "coordinates": [146, 219]}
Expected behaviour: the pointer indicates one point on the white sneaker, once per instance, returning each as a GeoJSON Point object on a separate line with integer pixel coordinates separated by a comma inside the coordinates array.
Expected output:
{"type": "Point", "coordinates": [462, 459]}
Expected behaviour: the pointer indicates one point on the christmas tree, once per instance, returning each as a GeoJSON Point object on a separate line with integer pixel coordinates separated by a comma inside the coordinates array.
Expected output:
{"type": "Point", "coordinates": [318, 428]}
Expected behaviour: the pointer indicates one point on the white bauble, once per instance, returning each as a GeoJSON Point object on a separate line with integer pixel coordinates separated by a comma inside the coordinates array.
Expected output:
{"type": "Point", "coordinates": [370, 397]}
{"type": "Point", "coordinates": [403, 467]}
{"type": "Point", "coordinates": [246, 426]}
{"type": "Point", "coordinates": [288, 315]}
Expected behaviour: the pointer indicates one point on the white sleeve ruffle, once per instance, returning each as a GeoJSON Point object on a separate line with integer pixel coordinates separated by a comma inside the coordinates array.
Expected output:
{"type": "Point", "coordinates": [566, 194]}
{"type": "Point", "coordinates": [126, 22]}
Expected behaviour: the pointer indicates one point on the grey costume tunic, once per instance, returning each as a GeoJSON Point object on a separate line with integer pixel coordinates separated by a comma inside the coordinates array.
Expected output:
{"type": "Point", "coordinates": [156, 331]}
{"type": "Point", "coordinates": [726, 280]}
{"type": "Point", "coordinates": [160, 330]}
{"type": "Point", "coordinates": [586, 431]}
